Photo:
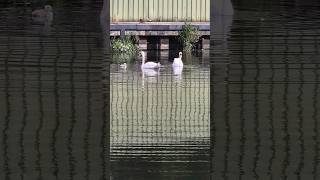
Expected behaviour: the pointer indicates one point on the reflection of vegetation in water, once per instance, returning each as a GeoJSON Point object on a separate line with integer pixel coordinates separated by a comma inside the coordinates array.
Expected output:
{"type": "Point", "coordinates": [189, 36]}
{"type": "Point", "coordinates": [123, 58]}
{"type": "Point", "coordinates": [189, 57]}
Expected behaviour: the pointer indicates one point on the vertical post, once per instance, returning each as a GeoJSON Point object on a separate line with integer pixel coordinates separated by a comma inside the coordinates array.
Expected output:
{"type": "Point", "coordinates": [122, 33]}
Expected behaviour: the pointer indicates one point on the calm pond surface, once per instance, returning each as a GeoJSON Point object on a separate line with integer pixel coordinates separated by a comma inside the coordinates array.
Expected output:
{"type": "Point", "coordinates": [160, 118]}
{"type": "Point", "coordinates": [250, 110]}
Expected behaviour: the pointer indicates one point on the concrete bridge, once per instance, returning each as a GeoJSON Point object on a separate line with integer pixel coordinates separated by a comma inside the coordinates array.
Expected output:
{"type": "Point", "coordinates": [160, 32]}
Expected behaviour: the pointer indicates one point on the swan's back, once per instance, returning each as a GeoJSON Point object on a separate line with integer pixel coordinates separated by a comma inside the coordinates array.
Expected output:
{"type": "Point", "coordinates": [151, 65]}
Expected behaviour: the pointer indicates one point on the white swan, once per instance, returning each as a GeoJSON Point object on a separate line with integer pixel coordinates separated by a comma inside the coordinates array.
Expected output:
{"type": "Point", "coordinates": [177, 62]}
{"type": "Point", "coordinates": [148, 65]}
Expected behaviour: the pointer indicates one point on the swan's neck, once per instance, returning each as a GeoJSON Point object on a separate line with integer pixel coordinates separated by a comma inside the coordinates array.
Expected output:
{"type": "Point", "coordinates": [143, 59]}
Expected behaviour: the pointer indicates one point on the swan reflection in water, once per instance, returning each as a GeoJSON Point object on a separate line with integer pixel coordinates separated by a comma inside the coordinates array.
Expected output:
{"type": "Point", "coordinates": [150, 75]}
{"type": "Point", "coordinates": [43, 16]}
{"type": "Point", "coordinates": [177, 73]}
{"type": "Point", "coordinates": [42, 19]}
{"type": "Point", "coordinates": [123, 67]}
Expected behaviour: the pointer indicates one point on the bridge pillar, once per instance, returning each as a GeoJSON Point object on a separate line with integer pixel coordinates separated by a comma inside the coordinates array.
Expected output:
{"type": "Point", "coordinates": [164, 43]}
{"type": "Point", "coordinates": [143, 43]}
{"type": "Point", "coordinates": [205, 43]}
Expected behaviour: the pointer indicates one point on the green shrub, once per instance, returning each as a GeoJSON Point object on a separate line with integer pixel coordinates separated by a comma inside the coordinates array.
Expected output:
{"type": "Point", "coordinates": [126, 45]}
{"type": "Point", "coordinates": [123, 50]}
{"type": "Point", "coordinates": [189, 36]}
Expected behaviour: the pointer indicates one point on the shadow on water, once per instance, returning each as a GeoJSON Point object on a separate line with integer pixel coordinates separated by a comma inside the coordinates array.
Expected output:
{"type": "Point", "coordinates": [264, 91]}
{"type": "Point", "coordinates": [52, 95]}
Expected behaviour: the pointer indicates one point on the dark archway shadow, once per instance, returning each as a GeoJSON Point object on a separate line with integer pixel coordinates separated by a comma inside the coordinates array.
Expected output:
{"type": "Point", "coordinates": [105, 33]}
{"type": "Point", "coordinates": [220, 32]}
{"type": "Point", "coordinates": [221, 19]}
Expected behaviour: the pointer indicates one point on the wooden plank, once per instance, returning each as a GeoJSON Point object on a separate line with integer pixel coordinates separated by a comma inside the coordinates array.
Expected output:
{"type": "Point", "coordinates": [126, 16]}
{"type": "Point", "coordinates": [151, 10]}
{"type": "Point", "coordinates": [111, 10]}
{"type": "Point", "coordinates": [140, 12]}
{"type": "Point", "coordinates": [207, 10]}
{"type": "Point", "coordinates": [145, 9]}
{"type": "Point", "coordinates": [203, 10]}
{"type": "Point", "coordinates": [198, 9]}
{"type": "Point", "coordinates": [174, 10]}
{"type": "Point", "coordinates": [160, 9]}
{"type": "Point", "coordinates": [119, 9]}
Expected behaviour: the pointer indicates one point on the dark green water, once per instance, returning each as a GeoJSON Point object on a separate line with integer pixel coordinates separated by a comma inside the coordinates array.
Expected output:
{"type": "Point", "coordinates": [265, 88]}
{"type": "Point", "coordinates": [249, 111]}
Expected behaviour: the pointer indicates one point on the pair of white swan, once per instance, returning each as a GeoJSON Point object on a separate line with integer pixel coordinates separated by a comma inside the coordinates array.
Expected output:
{"type": "Point", "coordinates": [148, 68]}
{"type": "Point", "coordinates": [152, 69]}
{"type": "Point", "coordinates": [177, 62]}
